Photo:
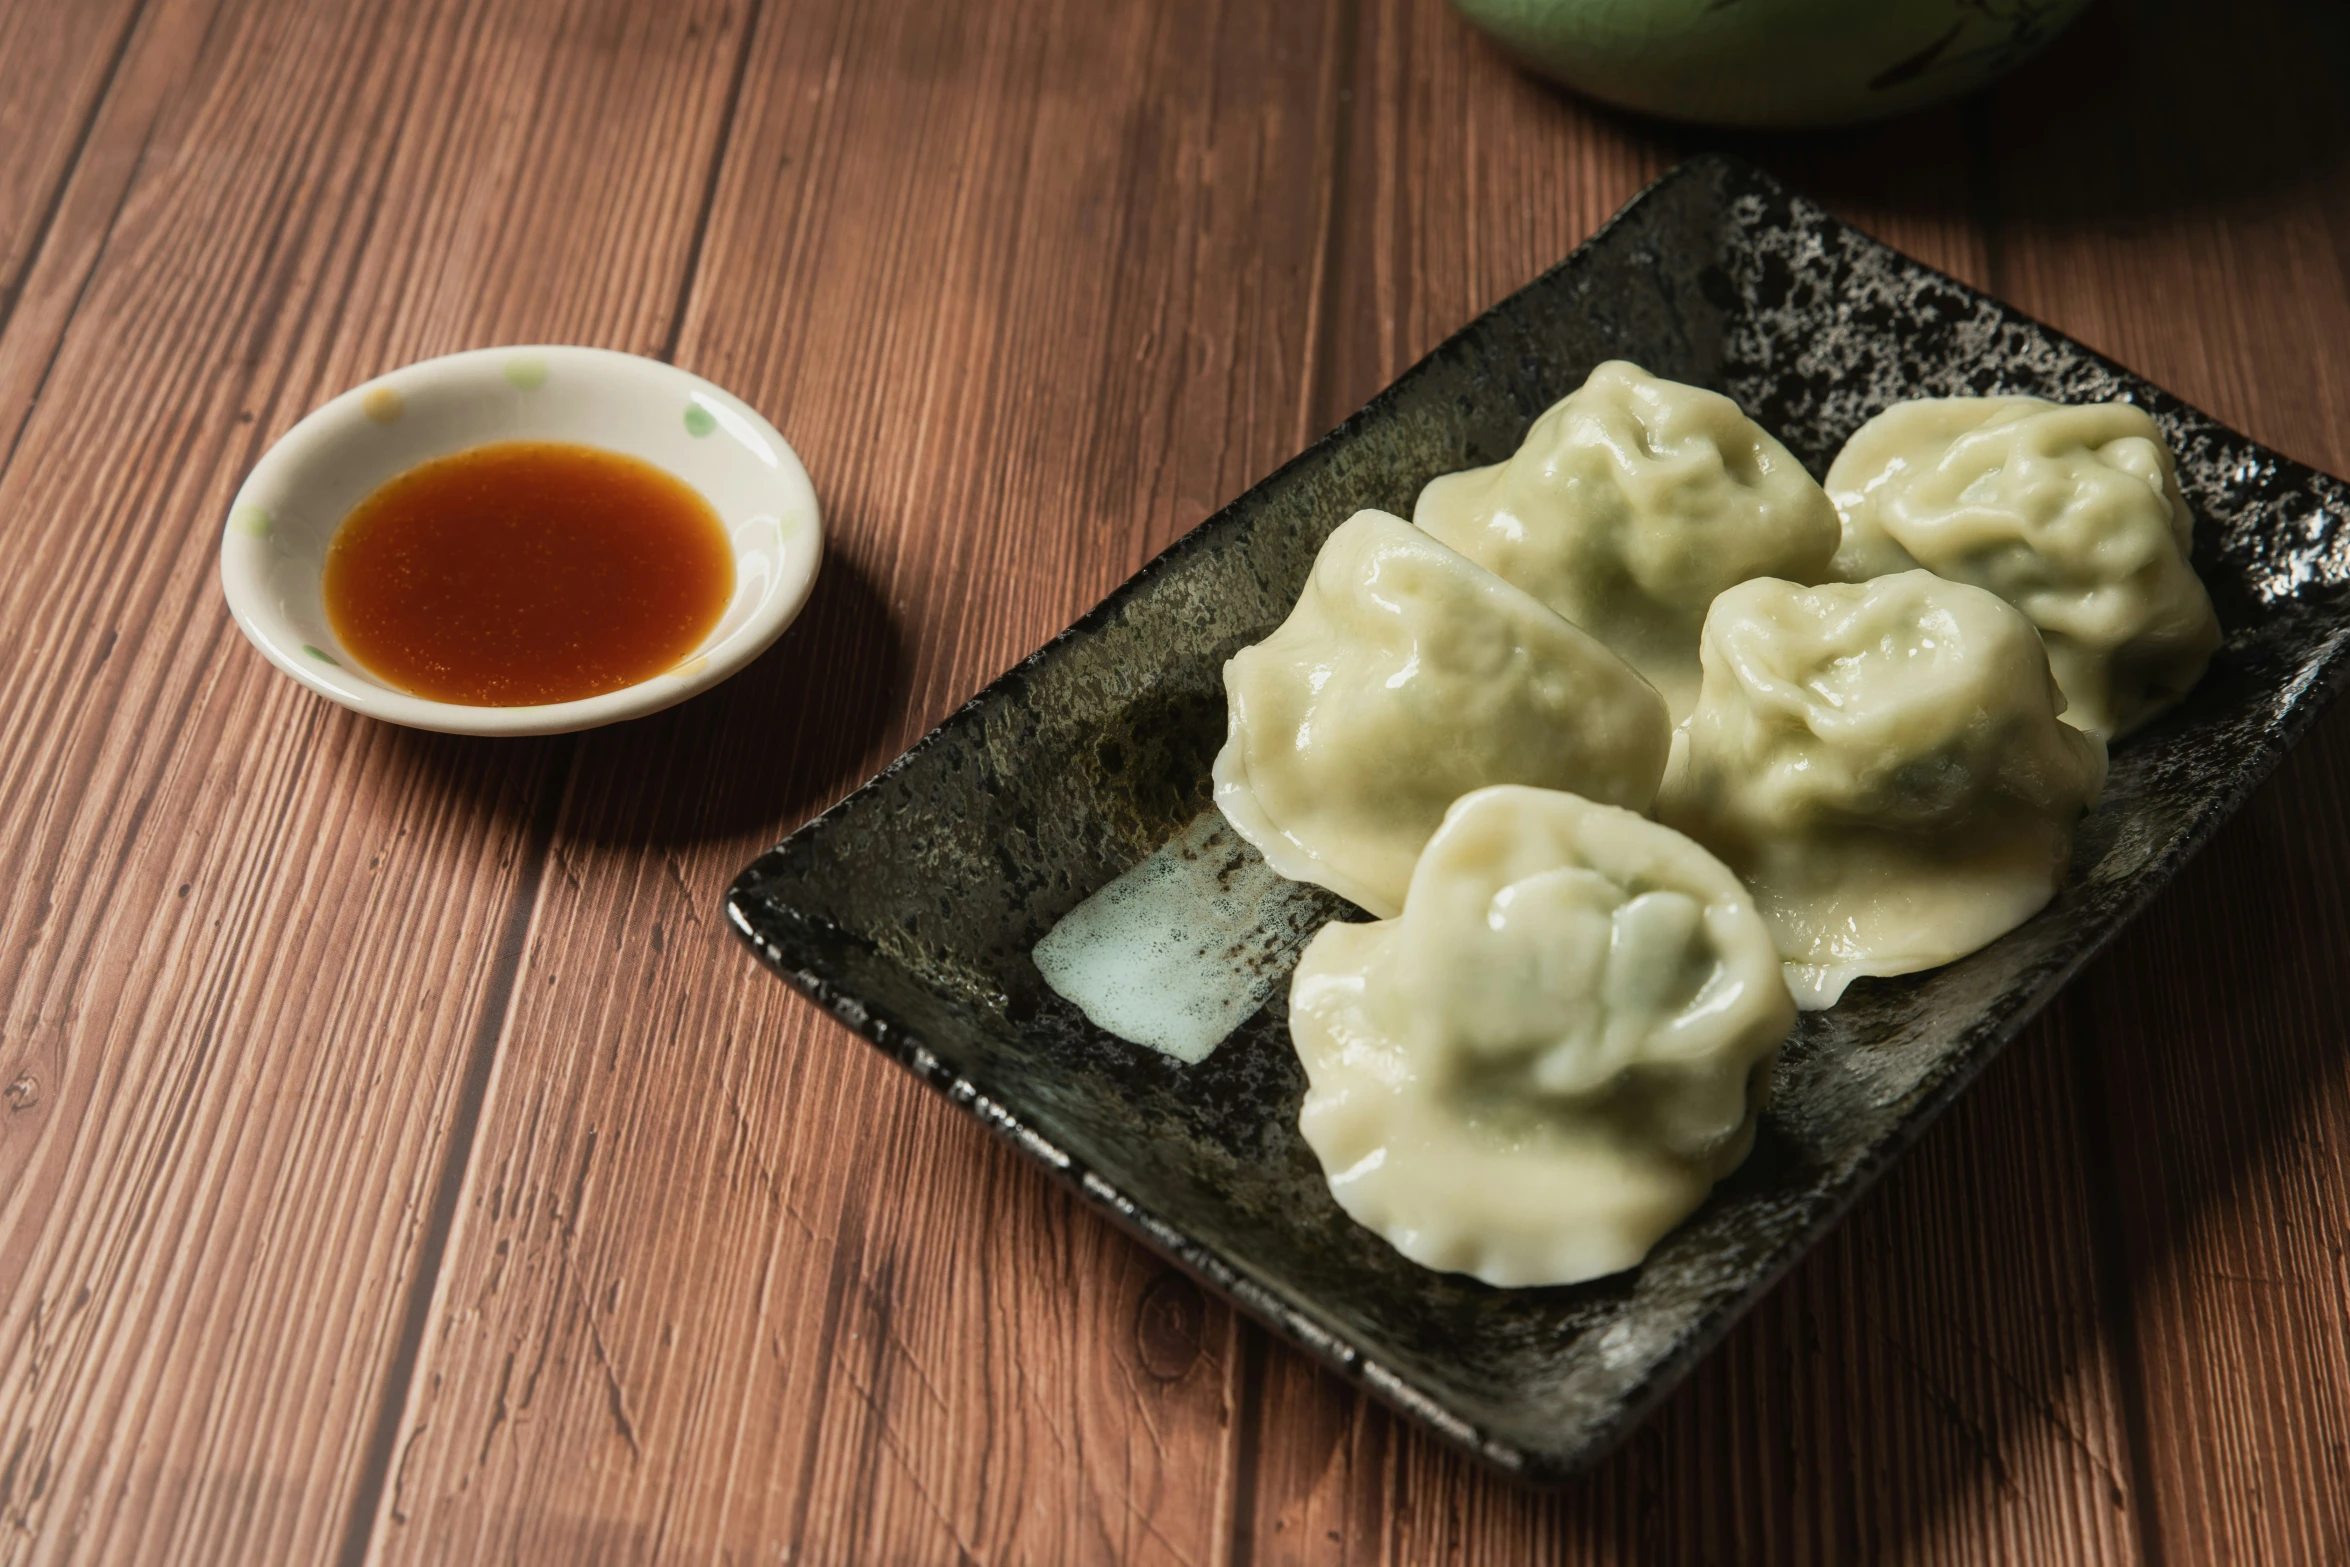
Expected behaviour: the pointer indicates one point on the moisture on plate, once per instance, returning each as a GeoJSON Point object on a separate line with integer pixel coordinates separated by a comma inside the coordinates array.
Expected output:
{"type": "Point", "coordinates": [1181, 948]}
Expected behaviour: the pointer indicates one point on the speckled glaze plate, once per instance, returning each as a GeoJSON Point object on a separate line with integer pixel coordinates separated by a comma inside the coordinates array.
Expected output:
{"type": "Point", "coordinates": [910, 909]}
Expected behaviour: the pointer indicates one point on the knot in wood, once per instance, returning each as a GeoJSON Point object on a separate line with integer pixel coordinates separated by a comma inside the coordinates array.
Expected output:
{"type": "Point", "coordinates": [1167, 1326]}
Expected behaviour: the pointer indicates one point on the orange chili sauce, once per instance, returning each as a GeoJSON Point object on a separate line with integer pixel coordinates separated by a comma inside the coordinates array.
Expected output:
{"type": "Point", "coordinates": [527, 572]}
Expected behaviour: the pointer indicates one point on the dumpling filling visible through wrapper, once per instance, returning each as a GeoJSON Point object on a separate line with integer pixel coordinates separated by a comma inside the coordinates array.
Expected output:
{"type": "Point", "coordinates": [1405, 677]}
{"type": "Point", "coordinates": [1884, 765]}
{"type": "Point", "coordinates": [1548, 1060]}
{"type": "Point", "coordinates": [2071, 514]}
{"type": "Point", "coordinates": [1631, 503]}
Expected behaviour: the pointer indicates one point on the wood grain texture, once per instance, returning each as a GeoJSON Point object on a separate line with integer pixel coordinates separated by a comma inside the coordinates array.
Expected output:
{"type": "Point", "coordinates": [1464, 180]}
{"type": "Point", "coordinates": [1032, 290]}
{"type": "Point", "coordinates": [2194, 228]}
{"type": "Point", "coordinates": [71, 121]}
{"type": "Point", "coordinates": [56, 66]}
{"type": "Point", "coordinates": [253, 940]}
{"type": "Point", "coordinates": [397, 1161]}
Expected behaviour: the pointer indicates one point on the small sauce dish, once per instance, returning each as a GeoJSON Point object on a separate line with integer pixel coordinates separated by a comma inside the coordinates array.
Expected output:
{"type": "Point", "coordinates": [273, 550]}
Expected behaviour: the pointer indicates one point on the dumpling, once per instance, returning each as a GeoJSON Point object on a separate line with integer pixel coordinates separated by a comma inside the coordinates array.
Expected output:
{"type": "Point", "coordinates": [1632, 503]}
{"type": "Point", "coordinates": [1548, 1061]}
{"type": "Point", "coordinates": [1406, 677]}
{"type": "Point", "coordinates": [1884, 765]}
{"type": "Point", "coordinates": [2071, 514]}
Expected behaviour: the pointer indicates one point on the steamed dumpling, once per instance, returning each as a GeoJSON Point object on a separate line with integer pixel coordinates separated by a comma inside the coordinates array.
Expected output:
{"type": "Point", "coordinates": [2071, 514]}
{"type": "Point", "coordinates": [1548, 1061]}
{"type": "Point", "coordinates": [1406, 677]}
{"type": "Point", "coordinates": [1884, 765]}
{"type": "Point", "coordinates": [1629, 506]}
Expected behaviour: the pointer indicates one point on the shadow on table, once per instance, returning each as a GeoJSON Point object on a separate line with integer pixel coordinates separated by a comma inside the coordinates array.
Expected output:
{"type": "Point", "coordinates": [748, 760]}
{"type": "Point", "coordinates": [2143, 107]}
{"type": "Point", "coordinates": [2162, 105]}
{"type": "Point", "coordinates": [751, 759]}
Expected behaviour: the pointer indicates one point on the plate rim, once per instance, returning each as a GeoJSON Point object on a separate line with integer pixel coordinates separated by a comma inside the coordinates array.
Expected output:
{"type": "Point", "coordinates": [2002, 1023]}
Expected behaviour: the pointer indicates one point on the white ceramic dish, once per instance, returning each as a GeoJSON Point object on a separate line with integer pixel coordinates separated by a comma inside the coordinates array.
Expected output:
{"type": "Point", "coordinates": [273, 550]}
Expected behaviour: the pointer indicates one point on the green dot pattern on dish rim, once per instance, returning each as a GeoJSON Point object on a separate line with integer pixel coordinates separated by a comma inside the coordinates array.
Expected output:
{"type": "Point", "coordinates": [252, 521]}
{"type": "Point", "coordinates": [699, 421]}
{"type": "Point", "coordinates": [526, 372]}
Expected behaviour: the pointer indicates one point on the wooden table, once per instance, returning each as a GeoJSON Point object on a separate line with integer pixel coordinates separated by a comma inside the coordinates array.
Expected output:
{"type": "Point", "coordinates": [398, 1158]}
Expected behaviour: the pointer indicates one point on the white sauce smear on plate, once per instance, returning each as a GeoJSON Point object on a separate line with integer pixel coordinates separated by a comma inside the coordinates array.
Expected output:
{"type": "Point", "coordinates": [1183, 948]}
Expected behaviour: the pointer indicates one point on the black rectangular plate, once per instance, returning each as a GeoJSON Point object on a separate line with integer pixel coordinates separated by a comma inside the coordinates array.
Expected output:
{"type": "Point", "coordinates": [909, 909]}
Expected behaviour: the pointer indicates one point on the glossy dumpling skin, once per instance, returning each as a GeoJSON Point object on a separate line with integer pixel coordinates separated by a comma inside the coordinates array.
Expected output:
{"type": "Point", "coordinates": [1548, 1061]}
{"type": "Point", "coordinates": [1629, 505]}
{"type": "Point", "coordinates": [1884, 765]}
{"type": "Point", "coordinates": [1405, 677]}
{"type": "Point", "coordinates": [2072, 514]}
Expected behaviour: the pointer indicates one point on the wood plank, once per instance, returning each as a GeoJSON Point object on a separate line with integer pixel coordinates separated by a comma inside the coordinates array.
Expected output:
{"type": "Point", "coordinates": [1032, 289]}
{"type": "Point", "coordinates": [56, 65]}
{"type": "Point", "coordinates": [2182, 206]}
{"type": "Point", "coordinates": [1934, 1384]}
{"type": "Point", "coordinates": [257, 941]}
{"type": "Point", "coordinates": [2216, 1030]}
{"type": "Point", "coordinates": [1466, 179]}
{"type": "Point", "coordinates": [69, 123]}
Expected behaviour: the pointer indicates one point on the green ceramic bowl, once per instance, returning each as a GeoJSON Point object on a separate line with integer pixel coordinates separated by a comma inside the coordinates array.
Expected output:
{"type": "Point", "coordinates": [1772, 62]}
